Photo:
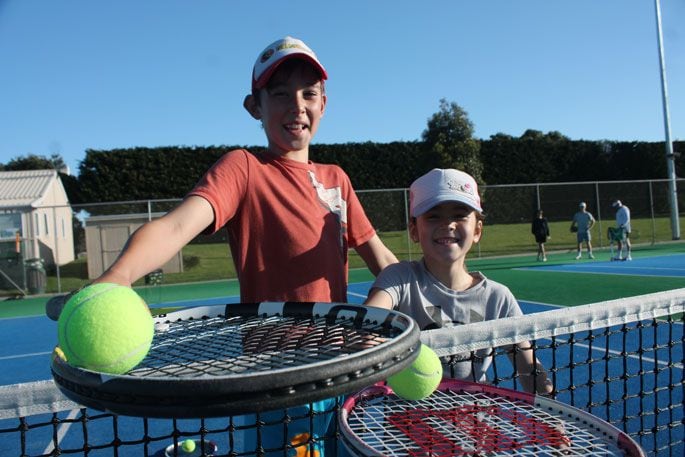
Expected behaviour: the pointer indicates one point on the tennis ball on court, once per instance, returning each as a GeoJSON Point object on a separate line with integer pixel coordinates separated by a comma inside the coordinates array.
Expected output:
{"type": "Point", "coordinates": [106, 328]}
{"type": "Point", "coordinates": [188, 446]}
{"type": "Point", "coordinates": [420, 379]}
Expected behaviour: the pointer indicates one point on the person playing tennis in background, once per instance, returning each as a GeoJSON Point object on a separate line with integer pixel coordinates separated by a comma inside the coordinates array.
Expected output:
{"type": "Point", "coordinates": [540, 230]}
{"type": "Point", "coordinates": [290, 221]}
{"type": "Point", "coordinates": [582, 223]}
{"type": "Point", "coordinates": [438, 291]}
{"type": "Point", "coordinates": [623, 223]}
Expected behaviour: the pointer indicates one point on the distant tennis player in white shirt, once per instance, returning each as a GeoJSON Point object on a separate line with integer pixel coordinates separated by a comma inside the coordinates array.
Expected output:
{"type": "Point", "coordinates": [623, 222]}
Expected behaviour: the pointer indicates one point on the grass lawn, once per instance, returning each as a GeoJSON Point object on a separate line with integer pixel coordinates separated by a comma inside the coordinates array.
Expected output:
{"type": "Point", "coordinates": [206, 262]}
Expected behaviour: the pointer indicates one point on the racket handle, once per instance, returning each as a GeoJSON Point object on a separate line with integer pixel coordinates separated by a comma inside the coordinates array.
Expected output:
{"type": "Point", "coordinates": [54, 306]}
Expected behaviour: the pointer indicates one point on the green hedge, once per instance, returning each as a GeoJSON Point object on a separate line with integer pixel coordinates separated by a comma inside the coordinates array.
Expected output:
{"type": "Point", "coordinates": [170, 172]}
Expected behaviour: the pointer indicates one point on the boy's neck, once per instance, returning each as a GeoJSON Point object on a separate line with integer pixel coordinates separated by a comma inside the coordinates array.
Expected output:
{"type": "Point", "coordinates": [301, 156]}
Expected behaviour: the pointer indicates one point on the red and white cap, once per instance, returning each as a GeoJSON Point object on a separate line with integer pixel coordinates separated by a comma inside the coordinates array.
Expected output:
{"type": "Point", "coordinates": [278, 52]}
{"type": "Point", "coordinates": [440, 186]}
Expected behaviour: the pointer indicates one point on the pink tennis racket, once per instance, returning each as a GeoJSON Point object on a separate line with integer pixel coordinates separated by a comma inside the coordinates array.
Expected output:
{"type": "Point", "coordinates": [466, 418]}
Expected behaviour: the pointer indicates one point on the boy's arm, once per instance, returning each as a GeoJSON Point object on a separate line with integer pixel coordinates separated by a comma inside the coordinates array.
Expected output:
{"type": "Point", "coordinates": [153, 244]}
{"type": "Point", "coordinates": [532, 375]}
{"type": "Point", "coordinates": [376, 255]}
{"type": "Point", "coordinates": [379, 299]}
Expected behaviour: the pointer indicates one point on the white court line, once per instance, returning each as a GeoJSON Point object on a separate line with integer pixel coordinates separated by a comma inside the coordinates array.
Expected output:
{"type": "Point", "coordinates": [61, 431]}
{"type": "Point", "coordinates": [20, 356]}
{"type": "Point", "coordinates": [626, 267]}
{"type": "Point", "coordinates": [539, 303]}
{"type": "Point", "coordinates": [591, 272]}
{"type": "Point", "coordinates": [356, 295]}
{"type": "Point", "coordinates": [620, 353]}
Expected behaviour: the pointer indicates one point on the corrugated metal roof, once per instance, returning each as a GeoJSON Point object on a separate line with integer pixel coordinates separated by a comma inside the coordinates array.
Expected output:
{"type": "Point", "coordinates": [24, 188]}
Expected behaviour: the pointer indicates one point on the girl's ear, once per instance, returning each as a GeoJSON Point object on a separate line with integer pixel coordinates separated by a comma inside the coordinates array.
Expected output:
{"type": "Point", "coordinates": [252, 107]}
{"type": "Point", "coordinates": [413, 230]}
{"type": "Point", "coordinates": [478, 231]}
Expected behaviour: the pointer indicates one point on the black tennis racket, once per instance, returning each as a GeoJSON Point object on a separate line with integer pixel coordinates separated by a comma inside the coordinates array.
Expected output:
{"type": "Point", "coordinates": [241, 358]}
{"type": "Point", "coordinates": [466, 418]}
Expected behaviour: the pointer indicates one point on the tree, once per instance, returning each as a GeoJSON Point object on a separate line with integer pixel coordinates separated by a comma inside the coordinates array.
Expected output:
{"type": "Point", "coordinates": [450, 143]}
{"type": "Point", "coordinates": [35, 162]}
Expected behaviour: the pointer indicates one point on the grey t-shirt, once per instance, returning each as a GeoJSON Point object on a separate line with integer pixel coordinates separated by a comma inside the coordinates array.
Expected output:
{"type": "Point", "coordinates": [417, 293]}
{"type": "Point", "coordinates": [583, 220]}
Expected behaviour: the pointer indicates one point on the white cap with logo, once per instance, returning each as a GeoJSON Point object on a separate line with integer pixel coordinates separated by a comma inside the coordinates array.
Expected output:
{"type": "Point", "coordinates": [278, 52]}
{"type": "Point", "coordinates": [440, 186]}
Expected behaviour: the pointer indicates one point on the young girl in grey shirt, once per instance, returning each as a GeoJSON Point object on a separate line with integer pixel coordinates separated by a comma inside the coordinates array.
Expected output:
{"type": "Point", "coordinates": [438, 291]}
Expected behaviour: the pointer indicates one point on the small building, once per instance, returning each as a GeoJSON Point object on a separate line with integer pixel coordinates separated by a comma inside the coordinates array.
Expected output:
{"type": "Point", "coordinates": [107, 235]}
{"type": "Point", "coordinates": [35, 216]}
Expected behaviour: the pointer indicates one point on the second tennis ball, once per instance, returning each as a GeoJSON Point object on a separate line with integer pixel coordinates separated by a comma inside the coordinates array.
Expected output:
{"type": "Point", "coordinates": [420, 379]}
{"type": "Point", "coordinates": [106, 328]}
{"type": "Point", "coordinates": [188, 446]}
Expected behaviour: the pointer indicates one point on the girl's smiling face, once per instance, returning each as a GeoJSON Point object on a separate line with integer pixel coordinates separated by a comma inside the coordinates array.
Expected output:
{"type": "Point", "coordinates": [446, 233]}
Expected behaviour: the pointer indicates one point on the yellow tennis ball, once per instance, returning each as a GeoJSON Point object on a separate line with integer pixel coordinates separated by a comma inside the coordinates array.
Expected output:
{"type": "Point", "coordinates": [188, 446]}
{"type": "Point", "coordinates": [106, 328]}
{"type": "Point", "coordinates": [420, 379]}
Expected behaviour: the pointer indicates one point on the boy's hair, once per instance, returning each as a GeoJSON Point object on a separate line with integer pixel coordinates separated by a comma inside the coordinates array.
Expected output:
{"type": "Point", "coordinates": [276, 54]}
{"type": "Point", "coordinates": [287, 68]}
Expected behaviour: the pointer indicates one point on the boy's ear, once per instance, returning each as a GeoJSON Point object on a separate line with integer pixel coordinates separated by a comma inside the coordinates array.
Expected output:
{"type": "Point", "coordinates": [252, 107]}
{"type": "Point", "coordinates": [324, 100]}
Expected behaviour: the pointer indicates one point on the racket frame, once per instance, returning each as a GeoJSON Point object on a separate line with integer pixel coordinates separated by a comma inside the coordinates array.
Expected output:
{"type": "Point", "coordinates": [241, 393]}
{"type": "Point", "coordinates": [599, 427]}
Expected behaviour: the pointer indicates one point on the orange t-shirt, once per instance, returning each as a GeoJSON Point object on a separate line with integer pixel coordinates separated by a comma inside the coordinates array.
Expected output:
{"type": "Point", "coordinates": [290, 225]}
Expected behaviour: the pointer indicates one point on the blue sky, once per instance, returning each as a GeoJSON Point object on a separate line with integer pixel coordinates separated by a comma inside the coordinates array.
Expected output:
{"type": "Point", "coordinates": [94, 74]}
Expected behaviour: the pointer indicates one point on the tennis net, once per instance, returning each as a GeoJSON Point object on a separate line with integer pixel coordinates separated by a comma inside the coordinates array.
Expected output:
{"type": "Point", "coordinates": [620, 360]}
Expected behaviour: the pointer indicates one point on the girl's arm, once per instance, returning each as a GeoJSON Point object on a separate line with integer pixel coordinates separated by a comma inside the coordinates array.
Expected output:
{"type": "Point", "coordinates": [532, 374]}
{"type": "Point", "coordinates": [379, 298]}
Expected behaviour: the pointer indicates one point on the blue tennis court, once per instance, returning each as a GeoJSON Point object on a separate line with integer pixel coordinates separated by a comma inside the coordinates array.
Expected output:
{"type": "Point", "coordinates": [27, 342]}
{"type": "Point", "coordinates": [662, 266]}
{"type": "Point", "coordinates": [26, 345]}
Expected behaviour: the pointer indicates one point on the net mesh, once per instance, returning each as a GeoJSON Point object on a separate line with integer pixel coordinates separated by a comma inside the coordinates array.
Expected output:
{"type": "Point", "coordinates": [620, 360]}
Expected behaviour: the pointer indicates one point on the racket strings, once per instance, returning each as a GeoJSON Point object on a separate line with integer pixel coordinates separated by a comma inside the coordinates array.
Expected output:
{"type": "Point", "coordinates": [470, 423]}
{"type": "Point", "coordinates": [220, 346]}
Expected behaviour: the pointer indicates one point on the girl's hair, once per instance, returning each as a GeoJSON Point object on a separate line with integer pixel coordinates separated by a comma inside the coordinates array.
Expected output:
{"type": "Point", "coordinates": [479, 217]}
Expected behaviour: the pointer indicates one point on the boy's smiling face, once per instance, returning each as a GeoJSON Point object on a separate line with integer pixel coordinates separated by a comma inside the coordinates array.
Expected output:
{"type": "Point", "coordinates": [290, 108]}
{"type": "Point", "coordinates": [446, 233]}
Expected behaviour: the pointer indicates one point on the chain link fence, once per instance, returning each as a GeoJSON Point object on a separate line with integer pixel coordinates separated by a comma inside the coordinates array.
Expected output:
{"type": "Point", "coordinates": [509, 212]}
